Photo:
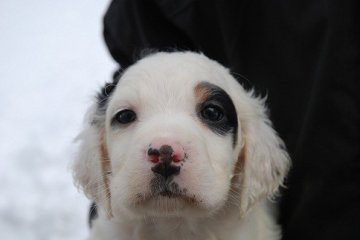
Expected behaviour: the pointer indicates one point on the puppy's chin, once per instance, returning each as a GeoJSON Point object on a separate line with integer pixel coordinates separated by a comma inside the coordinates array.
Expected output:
{"type": "Point", "coordinates": [168, 204]}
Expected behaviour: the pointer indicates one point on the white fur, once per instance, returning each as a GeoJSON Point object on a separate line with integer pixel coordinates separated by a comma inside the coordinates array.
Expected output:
{"type": "Point", "coordinates": [229, 203]}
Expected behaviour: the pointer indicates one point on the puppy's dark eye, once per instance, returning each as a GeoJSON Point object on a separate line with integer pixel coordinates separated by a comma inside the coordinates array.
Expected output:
{"type": "Point", "coordinates": [125, 116]}
{"type": "Point", "coordinates": [212, 113]}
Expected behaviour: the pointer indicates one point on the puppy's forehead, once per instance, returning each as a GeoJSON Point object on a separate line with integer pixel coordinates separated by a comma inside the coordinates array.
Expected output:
{"type": "Point", "coordinates": [169, 75]}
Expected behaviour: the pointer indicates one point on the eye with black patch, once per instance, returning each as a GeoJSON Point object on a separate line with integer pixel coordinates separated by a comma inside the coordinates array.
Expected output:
{"type": "Point", "coordinates": [212, 113]}
{"type": "Point", "coordinates": [216, 110]}
{"type": "Point", "coordinates": [125, 116]}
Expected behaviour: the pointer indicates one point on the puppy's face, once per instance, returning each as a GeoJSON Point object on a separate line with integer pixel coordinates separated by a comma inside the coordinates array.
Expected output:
{"type": "Point", "coordinates": [171, 135]}
{"type": "Point", "coordinates": [173, 139]}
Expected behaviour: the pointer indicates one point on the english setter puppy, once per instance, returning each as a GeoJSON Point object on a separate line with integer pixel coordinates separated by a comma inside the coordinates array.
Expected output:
{"type": "Point", "coordinates": [177, 149]}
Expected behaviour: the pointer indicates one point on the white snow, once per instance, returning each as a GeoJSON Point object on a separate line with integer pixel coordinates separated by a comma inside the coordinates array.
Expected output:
{"type": "Point", "coordinates": [52, 61]}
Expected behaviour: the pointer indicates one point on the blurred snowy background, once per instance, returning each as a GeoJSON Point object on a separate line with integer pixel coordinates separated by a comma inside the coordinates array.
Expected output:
{"type": "Point", "coordinates": [52, 60]}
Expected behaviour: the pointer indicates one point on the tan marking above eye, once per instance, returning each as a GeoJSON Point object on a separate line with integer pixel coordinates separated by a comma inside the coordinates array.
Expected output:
{"type": "Point", "coordinates": [201, 92]}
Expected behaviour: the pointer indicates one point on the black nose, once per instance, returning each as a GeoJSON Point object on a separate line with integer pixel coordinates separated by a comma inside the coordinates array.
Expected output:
{"type": "Point", "coordinates": [165, 167]}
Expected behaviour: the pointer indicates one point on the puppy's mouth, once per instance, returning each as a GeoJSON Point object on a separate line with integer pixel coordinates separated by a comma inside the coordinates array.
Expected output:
{"type": "Point", "coordinates": [166, 191]}
{"type": "Point", "coordinates": [169, 194]}
{"type": "Point", "coordinates": [167, 201]}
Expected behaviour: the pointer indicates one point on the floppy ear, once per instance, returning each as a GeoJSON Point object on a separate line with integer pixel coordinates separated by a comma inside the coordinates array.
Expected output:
{"type": "Point", "coordinates": [266, 161]}
{"type": "Point", "coordinates": [91, 165]}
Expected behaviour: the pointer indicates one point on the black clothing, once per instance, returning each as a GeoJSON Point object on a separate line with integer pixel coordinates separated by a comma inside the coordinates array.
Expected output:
{"type": "Point", "coordinates": [305, 55]}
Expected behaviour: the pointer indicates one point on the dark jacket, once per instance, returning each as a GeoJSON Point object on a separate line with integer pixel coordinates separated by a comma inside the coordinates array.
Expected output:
{"type": "Point", "coordinates": [305, 55]}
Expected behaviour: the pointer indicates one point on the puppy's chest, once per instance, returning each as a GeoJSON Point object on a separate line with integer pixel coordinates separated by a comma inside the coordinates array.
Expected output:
{"type": "Point", "coordinates": [173, 230]}
{"type": "Point", "coordinates": [184, 230]}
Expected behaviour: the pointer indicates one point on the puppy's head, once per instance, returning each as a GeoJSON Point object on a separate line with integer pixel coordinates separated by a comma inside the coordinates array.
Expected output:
{"type": "Point", "coordinates": [178, 135]}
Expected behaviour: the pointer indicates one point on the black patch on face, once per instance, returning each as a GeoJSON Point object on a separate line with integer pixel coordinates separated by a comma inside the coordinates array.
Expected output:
{"type": "Point", "coordinates": [153, 152]}
{"type": "Point", "coordinates": [165, 169]}
{"type": "Point", "coordinates": [165, 186]}
{"type": "Point", "coordinates": [217, 98]}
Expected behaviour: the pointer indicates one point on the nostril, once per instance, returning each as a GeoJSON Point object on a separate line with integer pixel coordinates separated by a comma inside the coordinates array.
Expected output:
{"type": "Point", "coordinates": [153, 155]}
{"type": "Point", "coordinates": [175, 158]}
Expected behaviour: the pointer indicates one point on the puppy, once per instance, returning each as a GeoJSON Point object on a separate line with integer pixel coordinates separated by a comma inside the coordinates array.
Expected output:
{"type": "Point", "coordinates": [177, 149]}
